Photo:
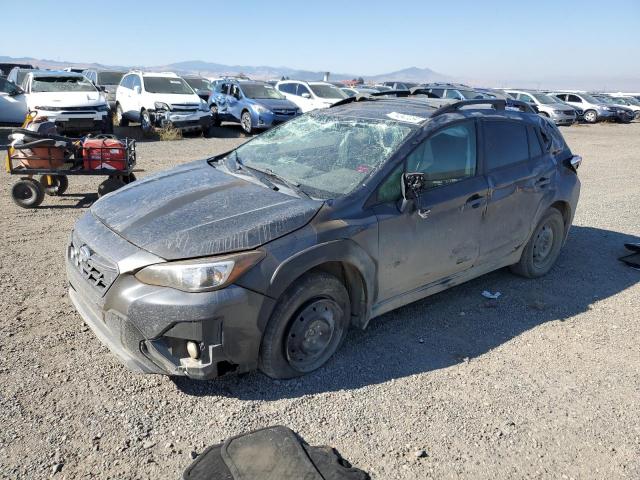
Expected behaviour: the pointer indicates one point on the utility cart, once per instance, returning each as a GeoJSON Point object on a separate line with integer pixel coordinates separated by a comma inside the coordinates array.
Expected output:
{"type": "Point", "coordinates": [52, 158]}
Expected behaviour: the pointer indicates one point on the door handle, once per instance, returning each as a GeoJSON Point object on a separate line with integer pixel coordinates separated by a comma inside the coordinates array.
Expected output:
{"type": "Point", "coordinates": [474, 201]}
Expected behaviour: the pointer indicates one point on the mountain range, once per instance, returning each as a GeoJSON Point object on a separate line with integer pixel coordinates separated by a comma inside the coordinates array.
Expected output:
{"type": "Point", "coordinates": [600, 81]}
{"type": "Point", "coordinates": [209, 69]}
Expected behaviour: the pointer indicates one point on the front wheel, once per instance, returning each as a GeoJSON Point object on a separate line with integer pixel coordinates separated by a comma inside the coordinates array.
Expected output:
{"type": "Point", "coordinates": [591, 116]}
{"type": "Point", "coordinates": [543, 248]}
{"type": "Point", "coordinates": [245, 121]}
{"type": "Point", "coordinates": [307, 327]}
{"type": "Point", "coordinates": [27, 193]}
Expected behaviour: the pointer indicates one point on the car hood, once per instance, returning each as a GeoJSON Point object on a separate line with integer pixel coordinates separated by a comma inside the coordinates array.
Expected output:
{"type": "Point", "coordinates": [65, 99]}
{"type": "Point", "coordinates": [272, 103]}
{"type": "Point", "coordinates": [197, 210]}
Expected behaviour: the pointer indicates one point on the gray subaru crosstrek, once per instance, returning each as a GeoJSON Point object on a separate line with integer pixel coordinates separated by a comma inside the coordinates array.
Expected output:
{"type": "Point", "coordinates": [265, 256]}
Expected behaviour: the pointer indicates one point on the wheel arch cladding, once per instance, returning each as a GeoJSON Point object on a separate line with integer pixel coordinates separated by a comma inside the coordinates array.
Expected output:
{"type": "Point", "coordinates": [565, 209]}
{"type": "Point", "coordinates": [342, 258]}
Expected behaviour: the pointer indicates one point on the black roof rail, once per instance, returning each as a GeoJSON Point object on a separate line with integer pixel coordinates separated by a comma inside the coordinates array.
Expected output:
{"type": "Point", "coordinates": [497, 103]}
{"type": "Point", "coordinates": [397, 93]}
{"type": "Point", "coordinates": [356, 98]}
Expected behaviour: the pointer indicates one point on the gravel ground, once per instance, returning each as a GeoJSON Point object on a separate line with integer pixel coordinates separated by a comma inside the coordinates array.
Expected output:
{"type": "Point", "coordinates": [542, 383]}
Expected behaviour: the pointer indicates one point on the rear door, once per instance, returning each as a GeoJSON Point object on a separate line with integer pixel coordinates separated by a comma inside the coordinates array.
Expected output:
{"type": "Point", "coordinates": [519, 177]}
{"type": "Point", "coordinates": [441, 237]}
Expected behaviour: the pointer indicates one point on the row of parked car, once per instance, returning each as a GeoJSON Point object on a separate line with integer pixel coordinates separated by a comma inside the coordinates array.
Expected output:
{"type": "Point", "coordinates": [94, 100]}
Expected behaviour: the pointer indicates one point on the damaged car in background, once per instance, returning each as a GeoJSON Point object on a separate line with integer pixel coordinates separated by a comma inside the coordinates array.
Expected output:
{"type": "Point", "coordinates": [160, 100]}
{"type": "Point", "coordinates": [265, 256]}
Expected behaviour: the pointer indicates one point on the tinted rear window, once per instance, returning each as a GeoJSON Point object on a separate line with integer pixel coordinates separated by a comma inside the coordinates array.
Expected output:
{"type": "Point", "coordinates": [505, 143]}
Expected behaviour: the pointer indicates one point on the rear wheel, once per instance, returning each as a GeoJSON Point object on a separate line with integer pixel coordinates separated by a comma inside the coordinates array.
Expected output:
{"type": "Point", "coordinates": [543, 248]}
{"type": "Point", "coordinates": [245, 121]}
{"type": "Point", "coordinates": [54, 185]}
{"type": "Point", "coordinates": [120, 120]}
{"type": "Point", "coordinates": [27, 193]}
{"type": "Point", "coordinates": [591, 116]}
{"type": "Point", "coordinates": [308, 325]}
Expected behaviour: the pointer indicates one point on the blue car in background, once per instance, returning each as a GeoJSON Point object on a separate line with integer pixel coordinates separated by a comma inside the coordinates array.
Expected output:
{"type": "Point", "coordinates": [255, 105]}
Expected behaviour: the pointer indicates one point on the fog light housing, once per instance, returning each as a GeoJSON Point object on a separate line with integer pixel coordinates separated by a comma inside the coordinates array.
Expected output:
{"type": "Point", "coordinates": [193, 349]}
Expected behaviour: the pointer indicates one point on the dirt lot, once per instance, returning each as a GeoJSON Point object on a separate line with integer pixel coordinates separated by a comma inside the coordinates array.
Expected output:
{"type": "Point", "coordinates": [542, 383]}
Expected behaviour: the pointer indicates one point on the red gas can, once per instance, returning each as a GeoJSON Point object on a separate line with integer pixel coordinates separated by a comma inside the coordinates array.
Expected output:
{"type": "Point", "coordinates": [104, 153]}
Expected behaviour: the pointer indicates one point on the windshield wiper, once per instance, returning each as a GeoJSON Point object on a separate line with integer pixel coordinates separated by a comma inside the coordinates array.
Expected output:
{"type": "Point", "coordinates": [293, 186]}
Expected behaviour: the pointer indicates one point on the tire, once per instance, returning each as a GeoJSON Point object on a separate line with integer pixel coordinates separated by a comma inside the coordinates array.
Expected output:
{"type": "Point", "coordinates": [293, 345]}
{"type": "Point", "coordinates": [111, 184]}
{"type": "Point", "coordinates": [127, 179]}
{"type": "Point", "coordinates": [27, 193]}
{"type": "Point", "coordinates": [591, 116]}
{"type": "Point", "coordinates": [214, 113]}
{"type": "Point", "coordinates": [119, 119]}
{"type": "Point", "coordinates": [145, 123]}
{"type": "Point", "coordinates": [542, 250]}
{"type": "Point", "coordinates": [59, 184]}
{"type": "Point", "coordinates": [246, 122]}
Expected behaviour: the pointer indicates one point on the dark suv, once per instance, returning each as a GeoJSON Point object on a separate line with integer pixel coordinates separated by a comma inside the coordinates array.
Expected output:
{"type": "Point", "coordinates": [266, 255]}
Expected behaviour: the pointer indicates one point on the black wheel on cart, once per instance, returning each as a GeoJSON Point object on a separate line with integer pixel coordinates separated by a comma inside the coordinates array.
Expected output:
{"type": "Point", "coordinates": [127, 179]}
{"type": "Point", "coordinates": [111, 184]}
{"type": "Point", "coordinates": [27, 193]}
{"type": "Point", "coordinates": [59, 184]}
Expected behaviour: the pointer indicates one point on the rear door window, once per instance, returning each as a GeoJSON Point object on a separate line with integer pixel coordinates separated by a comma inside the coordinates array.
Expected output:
{"type": "Point", "coordinates": [505, 143]}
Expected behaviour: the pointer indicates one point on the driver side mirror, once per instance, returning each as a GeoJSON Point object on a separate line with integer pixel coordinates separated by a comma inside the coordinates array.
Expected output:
{"type": "Point", "coordinates": [17, 91]}
{"type": "Point", "coordinates": [412, 186]}
{"type": "Point", "coordinates": [306, 95]}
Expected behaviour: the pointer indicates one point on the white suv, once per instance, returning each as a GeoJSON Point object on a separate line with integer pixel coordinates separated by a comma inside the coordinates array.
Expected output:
{"type": "Point", "coordinates": [159, 99]}
{"type": "Point", "coordinates": [310, 95]}
{"type": "Point", "coordinates": [69, 100]}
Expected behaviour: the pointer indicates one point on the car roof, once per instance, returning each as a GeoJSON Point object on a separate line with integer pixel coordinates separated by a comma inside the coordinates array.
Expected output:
{"type": "Point", "coordinates": [416, 110]}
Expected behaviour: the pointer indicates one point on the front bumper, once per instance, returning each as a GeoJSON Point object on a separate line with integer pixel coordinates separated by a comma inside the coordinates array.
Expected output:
{"type": "Point", "coordinates": [147, 327]}
{"type": "Point", "coordinates": [269, 119]}
{"type": "Point", "coordinates": [76, 122]}
{"type": "Point", "coordinates": [183, 121]}
{"type": "Point", "coordinates": [563, 118]}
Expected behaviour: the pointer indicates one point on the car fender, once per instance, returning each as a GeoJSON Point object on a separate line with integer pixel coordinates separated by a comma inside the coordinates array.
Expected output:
{"type": "Point", "coordinates": [345, 251]}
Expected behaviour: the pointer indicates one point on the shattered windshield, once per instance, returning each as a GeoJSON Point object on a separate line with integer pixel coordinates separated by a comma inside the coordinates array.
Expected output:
{"type": "Point", "coordinates": [61, 84]}
{"type": "Point", "coordinates": [327, 91]}
{"type": "Point", "coordinates": [326, 155]}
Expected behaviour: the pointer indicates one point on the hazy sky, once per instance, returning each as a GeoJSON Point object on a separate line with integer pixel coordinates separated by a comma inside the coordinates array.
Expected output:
{"type": "Point", "coordinates": [473, 39]}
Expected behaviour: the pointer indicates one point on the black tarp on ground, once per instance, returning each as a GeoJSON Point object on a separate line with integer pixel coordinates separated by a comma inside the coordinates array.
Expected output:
{"type": "Point", "coordinates": [274, 453]}
{"type": "Point", "coordinates": [632, 260]}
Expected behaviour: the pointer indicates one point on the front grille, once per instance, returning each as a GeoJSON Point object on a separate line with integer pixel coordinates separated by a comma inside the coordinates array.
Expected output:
{"type": "Point", "coordinates": [568, 112]}
{"type": "Point", "coordinates": [97, 271]}
{"type": "Point", "coordinates": [79, 109]}
{"type": "Point", "coordinates": [278, 111]}
{"type": "Point", "coordinates": [184, 107]}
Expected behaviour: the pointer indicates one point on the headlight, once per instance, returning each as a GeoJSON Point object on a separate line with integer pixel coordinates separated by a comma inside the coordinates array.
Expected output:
{"type": "Point", "coordinates": [202, 274]}
{"type": "Point", "coordinates": [261, 109]}
{"type": "Point", "coordinates": [203, 106]}
{"type": "Point", "coordinates": [45, 107]}
{"type": "Point", "coordinates": [160, 106]}
{"type": "Point", "coordinates": [557, 111]}
{"type": "Point", "coordinates": [298, 111]}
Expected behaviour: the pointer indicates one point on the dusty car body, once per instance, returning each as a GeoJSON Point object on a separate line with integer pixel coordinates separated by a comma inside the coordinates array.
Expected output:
{"type": "Point", "coordinates": [264, 257]}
